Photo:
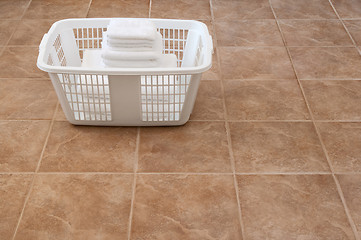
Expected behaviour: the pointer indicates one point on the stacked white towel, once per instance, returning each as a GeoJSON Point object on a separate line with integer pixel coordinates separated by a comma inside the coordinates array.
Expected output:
{"type": "Point", "coordinates": [131, 43]}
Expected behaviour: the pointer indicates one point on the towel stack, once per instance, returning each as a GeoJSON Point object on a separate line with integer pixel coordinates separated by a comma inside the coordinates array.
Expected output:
{"type": "Point", "coordinates": [131, 43]}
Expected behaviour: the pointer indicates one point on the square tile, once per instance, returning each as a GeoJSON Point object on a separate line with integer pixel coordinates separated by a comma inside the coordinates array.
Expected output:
{"type": "Point", "coordinates": [13, 190]}
{"type": "Point", "coordinates": [21, 143]}
{"type": "Point", "coordinates": [248, 33]}
{"type": "Point", "coordinates": [314, 33]}
{"type": "Point", "coordinates": [60, 115]}
{"type": "Point", "coordinates": [27, 99]}
{"type": "Point", "coordinates": [7, 27]}
{"type": "Point", "coordinates": [77, 207]}
{"type": "Point", "coordinates": [292, 207]}
{"type": "Point", "coordinates": [255, 63]}
{"type": "Point", "coordinates": [194, 147]}
{"type": "Point", "coordinates": [326, 62]}
{"type": "Point", "coordinates": [57, 9]}
{"type": "Point", "coordinates": [182, 9]}
{"type": "Point", "coordinates": [30, 31]}
{"type": "Point", "coordinates": [277, 147]}
{"type": "Point", "coordinates": [12, 9]}
{"type": "Point", "coordinates": [192, 207]}
{"type": "Point", "coordinates": [264, 100]}
{"type": "Point", "coordinates": [245, 9]}
{"type": "Point", "coordinates": [209, 102]}
{"type": "Point", "coordinates": [351, 188]}
{"type": "Point", "coordinates": [89, 149]}
{"type": "Point", "coordinates": [20, 62]}
{"type": "Point", "coordinates": [354, 27]}
{"type": "Point", "coordinates": [348, 8]}
{"type": "Point", "coordinates": [305, 9]}
{"type": "Point", "coordinates": [119, 8]}
{"type": "Point", "coordinates": [334, 100]}
{"type": "Point", "coordinates": [343, 144]}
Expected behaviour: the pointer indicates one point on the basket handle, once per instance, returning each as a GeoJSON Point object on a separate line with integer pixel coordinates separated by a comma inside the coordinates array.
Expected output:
{"type": "Point", "coordinates": [210, 43]}
{"type": "Point", "coordinates": [43, 41]}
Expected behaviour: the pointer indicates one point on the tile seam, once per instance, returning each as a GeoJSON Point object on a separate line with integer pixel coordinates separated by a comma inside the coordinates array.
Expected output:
{"type": "Point", "coordinates": [229, 142]}
{"type": "Point", "coordinates": [88, 9]}
{"type": "Point", "coordinates": [339, 190]}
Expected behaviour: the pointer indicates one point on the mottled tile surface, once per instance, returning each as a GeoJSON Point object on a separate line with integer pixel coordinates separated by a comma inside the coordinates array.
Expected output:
{"type": "Point", "coordinates": [89, 149]}
{"type": "Point", "coordinates": [57, 9]}
{"type": "Point", "coordinates": [292, 207]}
{"type": "Point", "coordinates": [305, 9]}
{"type": "Point", "coordinates": [30, 31]}
{"type": "Point", "coordinates": [354, 27]}
{"type": "Point", "coordinates": [185, 207]}
{"type": "Point", "coordinates": [334, 100]}
{"type": "Point", "coordinates": [13, 190]}
{"type": "Point", "coordinates": [181, 9]}
{"type": "Point", "coordinates": [20, 62]}
{"type": "Point", "coordinates": [209, 102]}
{"type": "Point", "coordinates": [246, 9]}
{"type": "Point", "coordinates": [7, 27]}
{"type": "Point", "coordinates": [351, 188]}
{"type": "Point", "coordinates": [21, 143]}
{"type": "Point", "coordinates": [255, 63]}
{"type": "Point", "coordinates": [315, 33]}
{"type": "Point", "coordinates": [27, 99]}
{"type": "Point", "coordinates": [77, 207]}
{"type": "Point", "coordinates": [248, 33]}
{"type": "Point", "coordinates": [194, 147]}
{"type": "Point", "coordinates": [326, 62]}
{"type": "Point", "coordinates": [264, 100]}
{"type": "Point", "coordinates": [12, 9]}
{"type": "Point", "coordinates": [277, 147]}
{"type": "Point", "coordinates": [119, 8]}
{"type": "Point", "coordinates": [348, 8]}
{"type": "Point", "coordinates": [343, 144]}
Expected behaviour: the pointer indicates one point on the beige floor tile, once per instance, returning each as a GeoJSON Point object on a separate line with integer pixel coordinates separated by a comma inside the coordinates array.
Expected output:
{"type": "Point", "coordinates": [20, 62]}
{"type": "Point", "coordinates": [248, 33]}
{"type": "Point", "coordinates": [185, 207]}
{"type": "Point", "coordinates": [30, 31]}
{"type": "Point", "coordinates": [27, 99]}
{"type": "Point", "coordinates": [306, 9]}
{"type": "Point", "coordinates": [354, 27]}
{"type": "Point", "coordinates": [246, 9]}
{"type": "Point", "coordinates": [7, 27]}
{"type": "Point", "coordinates": [292, 207]}
{"type": "Point", "coordinates": [255, 63]}
{"type": "Point", "coordinates": [89, 149]}
{"type": "Point", "coordinates": [13, 190]}
{"type": "Point", "coordinates": [277, 147]}
{"type": "Point", "coordinates": [351, 188]}
{"type": "Point", "coordinates": [77, 207]}
{"type": "Point", "coordinates": [326, 62]}
{"type": "Point", "coordinates": [119, 8]}
{"type": "Point", "coordinates": [181, 9]}
{"type": "Point", "coordinates": [343, 144]}
{"type": "Point", "coordinates": [194, 147]}
{"type": "Point", "coordinates": [209, 102]}
{"type": "Point", "coordinates": [348, 8]}
{"type": "Point", "coordinates": [334, 100]}
{"type": "Point", "coordinates": [57, 9]}
{"type": "Point", "coordinates": [60, 115]}
{"type": "Point", "coordinates": [12, 9]}
{"type": "Point", "coordinates": [314, 33]}
{"type": "Point", "coordinates": [264, 100]}
{"type": "Point", "coordinates": [21, 143]}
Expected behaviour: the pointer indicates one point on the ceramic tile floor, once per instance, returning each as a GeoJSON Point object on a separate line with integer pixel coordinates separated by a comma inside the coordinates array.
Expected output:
{"type": "Point", "coordinates": [272, 150]}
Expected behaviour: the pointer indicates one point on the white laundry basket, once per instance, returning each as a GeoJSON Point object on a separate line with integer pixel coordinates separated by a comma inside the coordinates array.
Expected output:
{"type": "Point", "coordinates": [125, 96]}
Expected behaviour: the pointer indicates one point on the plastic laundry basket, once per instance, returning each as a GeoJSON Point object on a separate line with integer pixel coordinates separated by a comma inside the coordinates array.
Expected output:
{"type": "Point", "coordinates": [94, 95]}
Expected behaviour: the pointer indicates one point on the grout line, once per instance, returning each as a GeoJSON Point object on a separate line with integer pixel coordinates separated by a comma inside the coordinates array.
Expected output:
{"type": "Point", "coordinates": [135, 170]}
{"type": "Point", "coordinates": [229, 140]}
{"type": "Point", "coordinates": [339, 190]}
{"type": "Point", "coordinates": [87, 11]}
{"type": "Point", "coordinates": [302, 79]}
{"type": "Point", "coordinates": [35, 173]}
{"type": "Point", "coordinates": [150, 8]}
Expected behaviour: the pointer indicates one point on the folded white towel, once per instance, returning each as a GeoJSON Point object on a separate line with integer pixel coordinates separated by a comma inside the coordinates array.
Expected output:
{"type": "Point", "coordinates": [134, 29]}
{"type": "Point", "coordinates": [155, 46]}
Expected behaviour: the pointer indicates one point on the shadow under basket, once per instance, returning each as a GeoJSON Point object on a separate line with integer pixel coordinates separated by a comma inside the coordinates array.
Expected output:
{"type": "Point", "coordinates": [125, 96]}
